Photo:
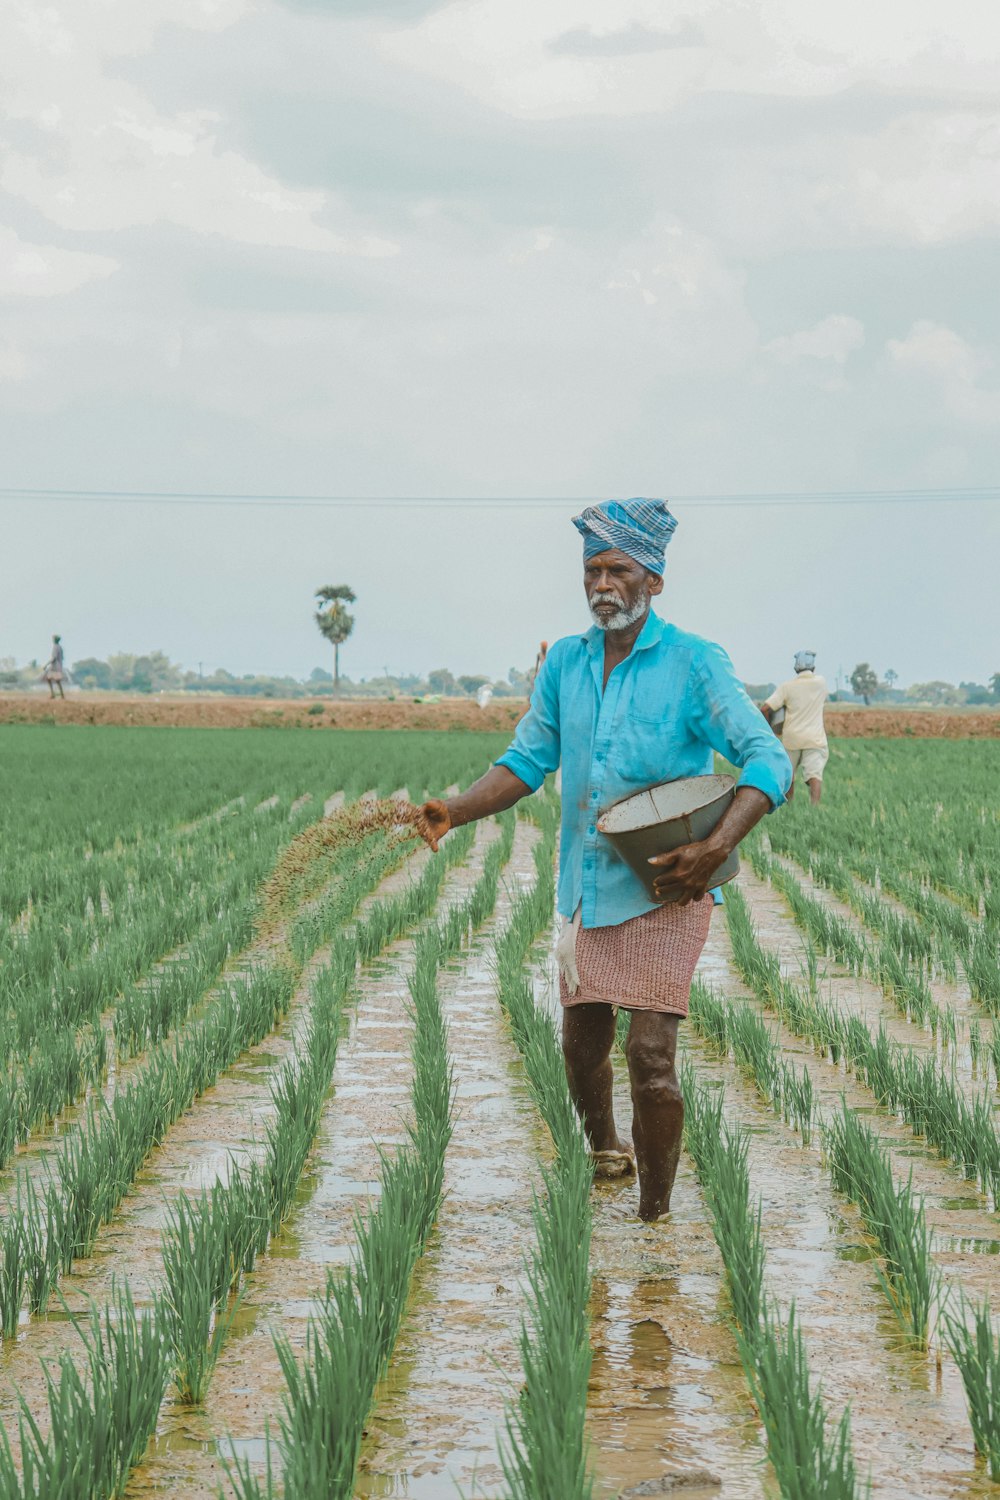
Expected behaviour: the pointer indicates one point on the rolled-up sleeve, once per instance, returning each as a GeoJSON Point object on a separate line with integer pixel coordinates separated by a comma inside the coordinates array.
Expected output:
{"type": "Point", "coordinates": [534, 753]}
{"type": "Point", "coordinates": [725, 717]}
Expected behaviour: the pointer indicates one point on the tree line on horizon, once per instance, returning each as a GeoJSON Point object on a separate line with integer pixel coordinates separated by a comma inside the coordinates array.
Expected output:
{"type": "Point", "coordinates": [154, 672]}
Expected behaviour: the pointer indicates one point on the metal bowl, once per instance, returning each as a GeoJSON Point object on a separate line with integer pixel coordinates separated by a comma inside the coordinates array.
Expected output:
{"type": "Point", "coordinates": [664, 817]}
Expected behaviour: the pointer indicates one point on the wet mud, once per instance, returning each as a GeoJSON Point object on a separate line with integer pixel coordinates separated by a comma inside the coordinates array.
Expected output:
{"type": "Point", "coordinates": [668, 1398]}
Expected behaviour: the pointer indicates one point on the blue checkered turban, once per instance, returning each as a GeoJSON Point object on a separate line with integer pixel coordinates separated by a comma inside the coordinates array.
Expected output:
{"type": "Point", "coordinates": [640, 528]}
{"type": "Point", "coordinates": [805, 661]}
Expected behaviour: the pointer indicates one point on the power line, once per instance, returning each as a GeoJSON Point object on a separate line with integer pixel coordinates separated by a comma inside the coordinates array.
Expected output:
{"type": "Point", "coordinates": [986, 494]}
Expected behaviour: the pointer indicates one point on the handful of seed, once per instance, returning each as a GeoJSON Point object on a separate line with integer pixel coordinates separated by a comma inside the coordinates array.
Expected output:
{"type": "Point", "coordinates": [348, 826]}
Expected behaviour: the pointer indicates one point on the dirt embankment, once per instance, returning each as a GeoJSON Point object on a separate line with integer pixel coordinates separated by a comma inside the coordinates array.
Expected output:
{"type": "Point", "coordinates": [451, 713]}
{"type": "Point", "coordinates": [258, 713]}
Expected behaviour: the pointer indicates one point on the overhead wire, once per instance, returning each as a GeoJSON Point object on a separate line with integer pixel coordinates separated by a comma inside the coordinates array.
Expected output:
{"type": "Point", "coordinates": [735, 500]}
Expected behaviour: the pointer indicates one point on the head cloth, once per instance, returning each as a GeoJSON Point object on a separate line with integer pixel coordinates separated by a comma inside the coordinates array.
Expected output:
{"type": "Point", "coordinates": [640, 528]}
{"type": "Point", "coordinates": [805, 661]}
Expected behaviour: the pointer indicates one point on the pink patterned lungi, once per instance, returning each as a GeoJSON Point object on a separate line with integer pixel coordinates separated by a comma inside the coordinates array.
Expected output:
{"type": "Point", "coordinates": [643, 964]}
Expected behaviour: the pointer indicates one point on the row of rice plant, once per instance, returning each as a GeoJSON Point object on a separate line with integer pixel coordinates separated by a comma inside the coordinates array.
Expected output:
{"type": "Point", "coordinates": [858, 1162]}
{"type": "Point", "coordinates": [810, 1462]}
{"type": "Point", "coordinates": [925, 809]}
{"type": "Point", "coordinates": [100, 1417]}
{"type": "Point", "coordinates": [350, 1339]}
{"type": "Point", "coordinates": [738, 1027]}
{"type": "Point", "coordinates": [98, 1161]}
{"type": "Point", "coordinates": [894, 1217]}
{"type": "Point", "coordinates": [63, 1064]}
{"type": "Point", "coordinates": [99, 799]}
{"type": "Point", "coordinates": [65, 971]}
{"type": "Point", "coordinates": [916, 1089]}
{"type": "Point", "coordinates": [903, 981]}
{"type": "Point", "coordinates": [129, 1370]}
{"type": "Point", "coordinates": [212, 1242]}
{"type": "Point", "coordinates": [544, 1452]}
{"type": "Point", "coordinates": [919, 941]}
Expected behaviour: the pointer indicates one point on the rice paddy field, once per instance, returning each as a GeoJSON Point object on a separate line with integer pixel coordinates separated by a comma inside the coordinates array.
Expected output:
{"type": "Point", "coordinates": [293, 1200]}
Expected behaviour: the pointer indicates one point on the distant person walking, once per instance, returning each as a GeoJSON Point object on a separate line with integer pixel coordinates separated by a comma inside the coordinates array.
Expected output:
{"type": "Point", "coordinates": [543, 652]}
{"type": "Point", "coordinates": [54, 672]}
{"type": "Point", "coordinates": [804, 733]}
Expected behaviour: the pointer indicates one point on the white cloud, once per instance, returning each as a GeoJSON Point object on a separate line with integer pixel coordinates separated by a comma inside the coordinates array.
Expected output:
{"type": "Point", "coordinates": [832, 339]}
{"type": "Point", "coordinates": [695, 312]}
{"type": "Point", "coordinates": [28, 270]}
{"type": "Point", "coordinates": [109, 160]}
{"type": "Point", "coordinates": [940, 356]}
{"type": "Point", "coordinates": [927, 178]}
{"type": "Point", "coordinates": [537, 244]}
{"type": "Point", "coordinates": [513, 54]}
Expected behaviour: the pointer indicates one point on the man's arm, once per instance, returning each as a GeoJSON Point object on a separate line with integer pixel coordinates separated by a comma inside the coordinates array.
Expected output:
{"type": "Point", "coordinates": [521, 770]}
{"type": "Point", "coordinates": [722, 714]}
{"type": "Point", "coordinates": [492, 793]}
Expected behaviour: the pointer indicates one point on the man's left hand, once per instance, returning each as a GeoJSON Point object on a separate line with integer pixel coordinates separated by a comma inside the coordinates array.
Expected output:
{"type": "Point", "coordinates": [686, 872]}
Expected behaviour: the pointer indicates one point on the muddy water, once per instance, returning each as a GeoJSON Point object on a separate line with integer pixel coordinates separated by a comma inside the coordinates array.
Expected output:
{"type": "Point", "coordinates": [368, 1109]}
{"type": "Point", "coordinates": [908, 1415]}
{"type": "Point", "coordinates": [955, 1206]}
{"type": "Point", "coordinates": [668, 1399]}
{"type": "Point", "coordinates": [223, 1126]}
{"type": "Point", "coordinates": [438, 1417]}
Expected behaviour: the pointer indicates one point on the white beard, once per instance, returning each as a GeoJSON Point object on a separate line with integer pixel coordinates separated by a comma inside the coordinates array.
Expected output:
{"type": "Point", "coordinates": [622, 618]}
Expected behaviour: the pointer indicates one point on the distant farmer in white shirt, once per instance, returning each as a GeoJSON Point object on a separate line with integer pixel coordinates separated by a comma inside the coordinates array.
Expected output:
{"type": "Point", "coordinates": [804, 735]}
{"type": "Point", "coordinates": [53, 672]}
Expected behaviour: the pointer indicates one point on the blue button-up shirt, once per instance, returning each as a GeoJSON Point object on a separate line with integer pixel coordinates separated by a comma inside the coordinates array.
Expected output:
{"type": "Point", "coordinates": [666, 707]}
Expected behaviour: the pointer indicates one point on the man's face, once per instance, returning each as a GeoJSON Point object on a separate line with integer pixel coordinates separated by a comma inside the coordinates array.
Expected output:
{"type": "Point", "coordinates": [619, 589]}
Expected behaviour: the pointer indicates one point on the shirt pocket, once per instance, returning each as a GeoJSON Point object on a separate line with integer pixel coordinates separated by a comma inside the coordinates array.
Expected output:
{"type": "Point", "coordinates": [652, 722]}
{"type": "Point", "coordinates": [645, 749]}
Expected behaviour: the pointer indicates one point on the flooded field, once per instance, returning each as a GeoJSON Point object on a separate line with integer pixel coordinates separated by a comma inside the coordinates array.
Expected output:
{"type": "Point", "coordinates": [293, 1201]}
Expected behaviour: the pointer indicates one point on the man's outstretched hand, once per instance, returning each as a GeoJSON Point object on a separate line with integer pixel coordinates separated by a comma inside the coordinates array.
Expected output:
{"type": "Point", "coordinates": [433, 822]}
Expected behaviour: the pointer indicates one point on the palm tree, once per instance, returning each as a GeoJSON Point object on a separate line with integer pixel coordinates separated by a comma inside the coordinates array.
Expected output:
{"type": "Point", "coordinates": [333, 621]}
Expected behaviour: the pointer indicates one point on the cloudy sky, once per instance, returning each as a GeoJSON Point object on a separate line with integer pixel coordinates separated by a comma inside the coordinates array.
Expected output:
{"type": "Point", "coordinates": [498, 248]}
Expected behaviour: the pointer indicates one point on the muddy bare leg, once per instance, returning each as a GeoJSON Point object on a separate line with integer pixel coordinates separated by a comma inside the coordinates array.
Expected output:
{"type": "Point", "coordinates": [658, 1118]}
{"type": "Point", "coordinates": [815, 789]}
{"type": "Point", "coordinates": [588, 1036]}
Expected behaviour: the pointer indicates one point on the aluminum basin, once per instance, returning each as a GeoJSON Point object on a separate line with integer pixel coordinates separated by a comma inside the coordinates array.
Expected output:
{"type": "Point", "coordinates": [664, 817]}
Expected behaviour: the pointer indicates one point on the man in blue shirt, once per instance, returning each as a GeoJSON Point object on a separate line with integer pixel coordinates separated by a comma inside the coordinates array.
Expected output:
{"type": "Point", "coordinates": [633, 702]}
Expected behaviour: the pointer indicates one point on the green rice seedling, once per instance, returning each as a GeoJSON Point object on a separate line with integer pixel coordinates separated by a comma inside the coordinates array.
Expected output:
{"type": "Point", "coordinates": [976, 1049]}
{"type": "Point", "coordinates": [860, 1167]}
{"type": "Point", "coordinates": [99, 1421]}
{"type": "Point", "coordinates": [928, 1099]}
{"type": "Point", "coordinates": [13, 1273]}
{"type": "Point", "coordinates": [720, 1158]}
{"type": "Point", "coordinates": [808, 1463]}
{"type": "Point", "coordinates": [976, 1351]}
{"type": "Point", "coordinates": [995, 1049]}
{"type": "Point", "coordinates": [350, 1341]}
{"type": "Point", "coordinates": [797, 1100]}
{"type": "Point", "coordinates": [545, 1453]}
{"type": "Point", "coordinates": [709, 1014]}
{"type": "Point", "coordinates": [201, 1271]}
{"type": "Point", "coordinates": [982, 968]}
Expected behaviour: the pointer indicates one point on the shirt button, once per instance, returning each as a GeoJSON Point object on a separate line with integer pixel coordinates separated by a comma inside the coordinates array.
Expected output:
{"type": "Point", "coordinates": [591, 829]}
